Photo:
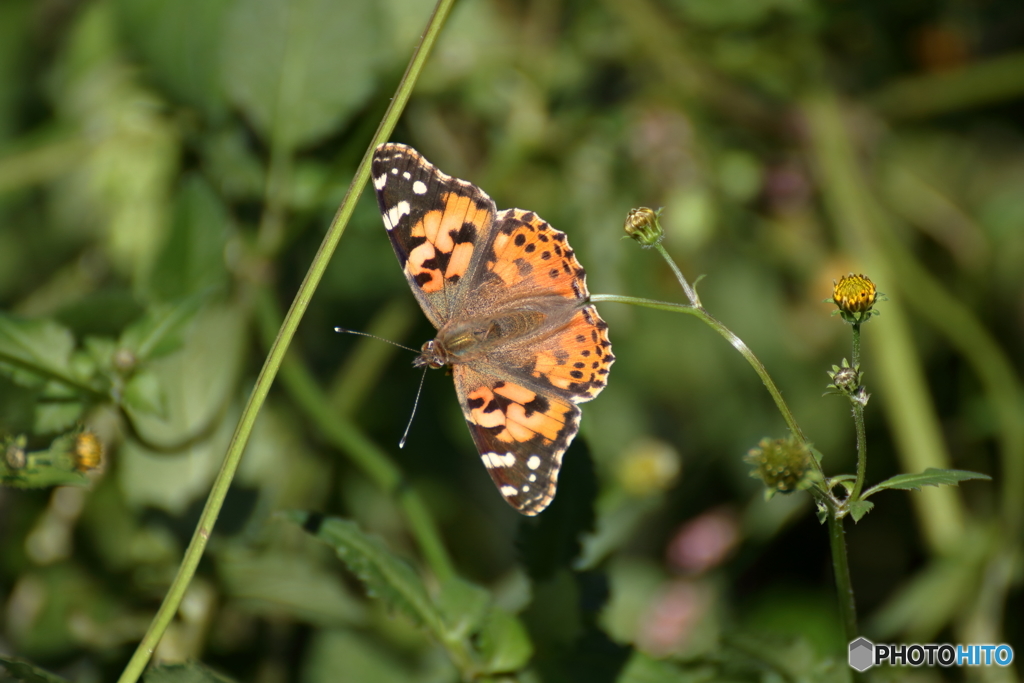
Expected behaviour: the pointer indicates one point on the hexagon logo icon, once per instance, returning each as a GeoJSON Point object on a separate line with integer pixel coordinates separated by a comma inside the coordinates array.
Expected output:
{"type": "Point", "coordinates": [862, 654]}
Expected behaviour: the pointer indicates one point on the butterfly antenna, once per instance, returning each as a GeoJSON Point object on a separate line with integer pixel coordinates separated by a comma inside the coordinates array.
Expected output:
{"type": "Point", "coordinates": [415, 404]}
{"type": "Point", "coordinates": [343, 330]}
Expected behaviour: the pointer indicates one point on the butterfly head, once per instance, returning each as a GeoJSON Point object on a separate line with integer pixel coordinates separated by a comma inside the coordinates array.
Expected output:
{"type": "Point", "coordinates": [432, 355]}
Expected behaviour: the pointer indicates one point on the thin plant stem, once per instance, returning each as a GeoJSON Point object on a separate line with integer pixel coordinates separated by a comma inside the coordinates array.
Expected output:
{"type": "Point", "coordinates": [837, 540]}
{"type": "Point", "coordinates": [841, 568]}
{"type": "Point", "coordinates": [858, 421]}
{"type": "Point", "coordinates": [342, 432]}
{"type": "Point", "coordinates": [80, 387]}
{"type": "Point", "coordinates": [695, 309]}
{"type": "Point", "coordinates": [275, 357]}
{"type": "Point", "coordinates": [691, 292]}
{"type": "Point", "coordinates": [861, 229]}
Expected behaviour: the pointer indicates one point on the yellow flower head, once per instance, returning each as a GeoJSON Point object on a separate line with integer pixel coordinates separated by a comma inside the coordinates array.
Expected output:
{"type": "Point", "coordinates": [88, 451]}
{"type": "Point", "coordinates": [855, 295]}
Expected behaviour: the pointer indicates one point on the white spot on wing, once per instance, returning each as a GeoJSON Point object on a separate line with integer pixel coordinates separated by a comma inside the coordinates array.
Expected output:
{"type": "Point", "coordinates": [509, 491]}
{"type": "Point", "coordinates": [395, 214]}
{"type": "Point", "coordinates": [407, 175]}
{"type": "Point", "coordinates": [496, 460]}
{"type": "Point", "coordinates": [419, 187]}
{"type": "Point", "coordinates": [526, 488]}
{"type": "Point", "coordinates": [380, 182]}
{"type": "Point", "coordinates": [534, 462]}
{"type": "Point", "coordinates": [533, 477]}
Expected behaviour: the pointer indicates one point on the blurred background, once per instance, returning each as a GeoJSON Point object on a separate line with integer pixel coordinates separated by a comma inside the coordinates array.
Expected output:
{"type": "Point", "coordinates": [168, 169]}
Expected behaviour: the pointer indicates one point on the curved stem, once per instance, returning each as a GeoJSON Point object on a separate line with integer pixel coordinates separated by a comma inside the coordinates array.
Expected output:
{"type": "Point", "coordinates": [275, 357]}
{"type": "Point", "coordinates": [736, 342]}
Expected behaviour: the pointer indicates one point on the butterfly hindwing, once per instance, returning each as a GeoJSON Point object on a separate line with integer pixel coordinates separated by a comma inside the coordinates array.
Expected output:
{"type": "Point", "coordinates": [521, 434]}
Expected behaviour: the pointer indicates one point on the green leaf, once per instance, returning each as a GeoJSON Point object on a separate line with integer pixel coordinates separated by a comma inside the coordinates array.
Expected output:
{"type": "Point", "coordinates": [463, 606]}
{"type": "Point", "coordinates": [56, 416]}
{"type": "Point", "coordinates": [930, 477]}
{"type": "Point", "coordinates": [642, 668]}
{"type": "Point", "coordinates": [159, 332]}
{"type": "Point", "coordinates": [190, 672]}
{"type": "Point", "coordinates": [300, 68]}
{"type": "Point", "coordinates": [41, 348]}
{"type": "Point", "coordinates": [143, 394]}
{"type": "Point", "coordinates": [859, 508]}
{"type": "Point", "coordinates": [386, 576]}
{"type": "Point", "coordinates": [504, 643]}
{"type": "Point", "coordinates": [290, 584]}
{"type": "Point", "coordinates": [344, 656]}
{"type": "Point", "coordinates": [192, 260]}
{"type": "Point", "coordinates": [179, 40]}
{"type": "Point", "coordinates": [21, 670]}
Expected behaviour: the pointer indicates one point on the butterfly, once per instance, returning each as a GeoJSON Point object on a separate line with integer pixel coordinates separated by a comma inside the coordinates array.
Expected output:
{"type": "Point", "coordinates": [514, 323]}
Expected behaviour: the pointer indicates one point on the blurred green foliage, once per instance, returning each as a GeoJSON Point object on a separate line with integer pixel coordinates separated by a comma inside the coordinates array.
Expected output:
{"type": "Point", "coordinates": [168, 168]}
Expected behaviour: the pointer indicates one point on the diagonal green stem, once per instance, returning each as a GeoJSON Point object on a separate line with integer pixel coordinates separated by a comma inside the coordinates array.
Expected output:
{"type": "Point", "coordinates": [83, 388]}
{"type": "Point", "coordinates": [275, 357]}
{"type": "Point", "coordinates": [691, 292]}
{"type": "Point", "coordinates": [361, 450]}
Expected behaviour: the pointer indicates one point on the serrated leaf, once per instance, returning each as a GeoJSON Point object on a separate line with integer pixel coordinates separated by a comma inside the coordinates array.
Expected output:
{"type": "Point", "coordinates": [504, 643]}
{"type": "Point", "coordinates": [21, 670]}
{"type": "Point", "coordinates": [859, 508]}
{"type": "Point", "coordinates": [930, 477]}
{"type": "Point", "coordinates": [189, 672]}
{"type": "Point", "coordinates": [300, 68]}
{"type": "Point", "coordinates": [463, 607]}
{"type": "Point", "coordinates": [386, 576]}
{"type": "Point", "coordinates": [144, 395]}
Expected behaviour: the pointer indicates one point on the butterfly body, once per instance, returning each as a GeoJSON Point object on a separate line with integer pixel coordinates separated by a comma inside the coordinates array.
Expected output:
{"type": "Point", "coordinates": [515, 326]}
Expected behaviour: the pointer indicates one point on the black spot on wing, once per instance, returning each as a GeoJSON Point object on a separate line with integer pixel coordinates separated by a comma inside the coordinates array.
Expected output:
{"type": "Point", "coordinates": [465, 234]}
{"type": "Point", "coordinates": [538, 405]}
{"type": "Point", "coordinates": [438, 262]}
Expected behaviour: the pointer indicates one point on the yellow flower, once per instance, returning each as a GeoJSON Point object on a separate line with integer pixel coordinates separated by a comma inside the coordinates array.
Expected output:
{"type": "Point", "coordinates": [88, 452]}
{"type": "Point", "coordinates": [854, 294]}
